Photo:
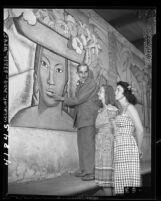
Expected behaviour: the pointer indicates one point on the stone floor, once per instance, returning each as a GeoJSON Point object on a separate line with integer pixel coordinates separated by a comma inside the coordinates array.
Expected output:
{"type": "Point", "coordinates": [65, 185]}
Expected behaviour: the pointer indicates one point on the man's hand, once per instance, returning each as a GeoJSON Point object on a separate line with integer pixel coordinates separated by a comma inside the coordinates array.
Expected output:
{"type": "Point", "coordinates": [58, 98]}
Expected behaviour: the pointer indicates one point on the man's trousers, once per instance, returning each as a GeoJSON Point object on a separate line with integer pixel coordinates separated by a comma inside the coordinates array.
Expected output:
{"type": "Point", "coordinates": [86, 148]}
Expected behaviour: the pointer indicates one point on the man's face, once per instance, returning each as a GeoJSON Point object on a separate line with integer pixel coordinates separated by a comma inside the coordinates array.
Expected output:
{"type": "Point", "coordinates": [83, 73]}
{"type": "Point", "coordinates": [51, 77]}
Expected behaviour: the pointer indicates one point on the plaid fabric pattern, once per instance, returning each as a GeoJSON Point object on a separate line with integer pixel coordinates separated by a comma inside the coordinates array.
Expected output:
{"type": "Point", "coordinates": [126, 155]}
{"type": "Point", "coordinates": [104, 150]}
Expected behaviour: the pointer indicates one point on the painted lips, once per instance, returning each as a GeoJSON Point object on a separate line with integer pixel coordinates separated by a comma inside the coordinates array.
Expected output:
{"type": "Point", "coordinates": [50, 92]}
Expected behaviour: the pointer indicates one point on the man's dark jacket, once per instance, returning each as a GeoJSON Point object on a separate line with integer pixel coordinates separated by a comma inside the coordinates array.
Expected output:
{"type": "Point", "coordinates": [85, 102]}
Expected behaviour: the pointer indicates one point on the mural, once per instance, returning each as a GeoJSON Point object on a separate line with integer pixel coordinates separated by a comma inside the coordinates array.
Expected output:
{"type": "Point", "coordinates": [49, 77]}
{"type": "Point", "coordinates": [70, 39]}
{"type": "Point", "coordinates": [144, 81]}
{"type": "Point", "coordinates": [45, 46]}
{"type": "Point", "coordinates": [125, 66]}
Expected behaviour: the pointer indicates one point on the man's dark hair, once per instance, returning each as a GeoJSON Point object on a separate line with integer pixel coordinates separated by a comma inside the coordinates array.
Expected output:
{"type": "Point", "coordinates": [82, 65]}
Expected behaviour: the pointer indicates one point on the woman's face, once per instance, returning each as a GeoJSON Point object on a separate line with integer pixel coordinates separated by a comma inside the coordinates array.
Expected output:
{"type": "Point", "coordinates": [101, 94]}
{"type": "Point", "coordinates": [119, 93]}
{"type": "Point", "coordinates": [51, 77]}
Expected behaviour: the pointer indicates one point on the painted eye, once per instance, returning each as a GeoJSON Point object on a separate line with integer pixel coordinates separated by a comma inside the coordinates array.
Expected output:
{"type": "Point", "coordinates": [59, 69]}
{"type": "Point", "coordinates": [44, 64]}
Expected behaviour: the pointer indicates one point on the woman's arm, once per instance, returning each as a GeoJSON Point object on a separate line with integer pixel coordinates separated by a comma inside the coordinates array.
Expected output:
{"type": "Point", "coordinates": [133, 113]}
{"type": "Point", "coordinates": [112, 117]}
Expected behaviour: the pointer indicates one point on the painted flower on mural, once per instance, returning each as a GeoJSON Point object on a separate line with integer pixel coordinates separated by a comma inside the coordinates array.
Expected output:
{"type": "Point", "coordinates": [60, 25]}
{"type": "Point", "coordinates": [91, 56]}
{"type": "Point", "coordinates": [27, 14]}
{"type": "Point", "coordinates": [58, 13]}
{"type": "Point", "coordinates": [54, 18]}
{"type": "Point", "coordinates": [94, 46]}
{"type": "Point", "coordinates": [87, 58]}
{"type": "Point", "coordinates": [72, 25]}
{"type": "Point", "coordinates": [77, 45]}
{"type": "Point", "coordinates": [62, 28]}
{"type": "Point", "coordinates": [74, 42]}
{"type": "Point", "coordinates": [83, 33]}
{"type": "Point", "coordinates": [80, 37]}
{"type": "Point", "coordinates": [132, 89]}
{"type": "Point", "coordinates": [43, 16]}
{"type": "Point", "coordinates": [46, 20]}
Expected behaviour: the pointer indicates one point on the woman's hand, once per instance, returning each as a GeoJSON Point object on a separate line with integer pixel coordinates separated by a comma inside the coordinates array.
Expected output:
{"type": "Point", "coordinates": [140, 154]}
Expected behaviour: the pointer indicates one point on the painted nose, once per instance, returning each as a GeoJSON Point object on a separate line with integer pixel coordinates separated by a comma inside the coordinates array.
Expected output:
{"type": "Point", "coordinates": [51, 78]}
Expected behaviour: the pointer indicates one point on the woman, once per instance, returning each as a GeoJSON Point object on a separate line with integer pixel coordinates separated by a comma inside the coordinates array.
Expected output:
{"type": "Point", "coordinates": [104, 139]}
{"type": "Point", "coordinates": [126, 148]}
{"type": "Point", "coordinates": [50, 77]}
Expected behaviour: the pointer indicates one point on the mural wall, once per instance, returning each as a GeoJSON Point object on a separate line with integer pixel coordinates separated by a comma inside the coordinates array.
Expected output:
{"type": "Point", "coordinates": [45, 46]}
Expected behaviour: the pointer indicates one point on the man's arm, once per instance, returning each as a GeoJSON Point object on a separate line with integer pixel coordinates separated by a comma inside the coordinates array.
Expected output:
{"type": "Point", "coordinates": [90, 89]}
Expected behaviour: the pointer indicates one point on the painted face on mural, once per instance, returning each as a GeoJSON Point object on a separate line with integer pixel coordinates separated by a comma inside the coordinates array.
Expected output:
{"type": "Point", "coordinates": [119, 93]}
{"type": "Point", "coordinates": [83, 73]}
{"type": "Point", "coordinates": [51, 77]}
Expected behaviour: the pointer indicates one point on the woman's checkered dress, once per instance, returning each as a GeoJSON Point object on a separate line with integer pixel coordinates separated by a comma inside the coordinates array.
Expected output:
{"type": "Point", "coordinates": [104, 147]}
{"type": "Point", "coordinates": [126, 155]}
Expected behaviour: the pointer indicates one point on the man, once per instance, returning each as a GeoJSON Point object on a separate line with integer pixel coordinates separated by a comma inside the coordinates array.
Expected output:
{"type": "Point", "coordinates": [84, 120]}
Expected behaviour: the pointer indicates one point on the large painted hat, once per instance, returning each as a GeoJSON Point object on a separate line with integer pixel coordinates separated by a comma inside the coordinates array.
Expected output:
{"type": "Point", "coordinates": [48, 38]}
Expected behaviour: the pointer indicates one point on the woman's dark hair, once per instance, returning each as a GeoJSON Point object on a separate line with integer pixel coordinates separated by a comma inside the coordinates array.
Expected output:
{"type": "Point", "coordinates": [128, 92]}
{"type": "Point", "coordinates": [37, 61]}
{"type": "Point", "coordinates": [109, 95]}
